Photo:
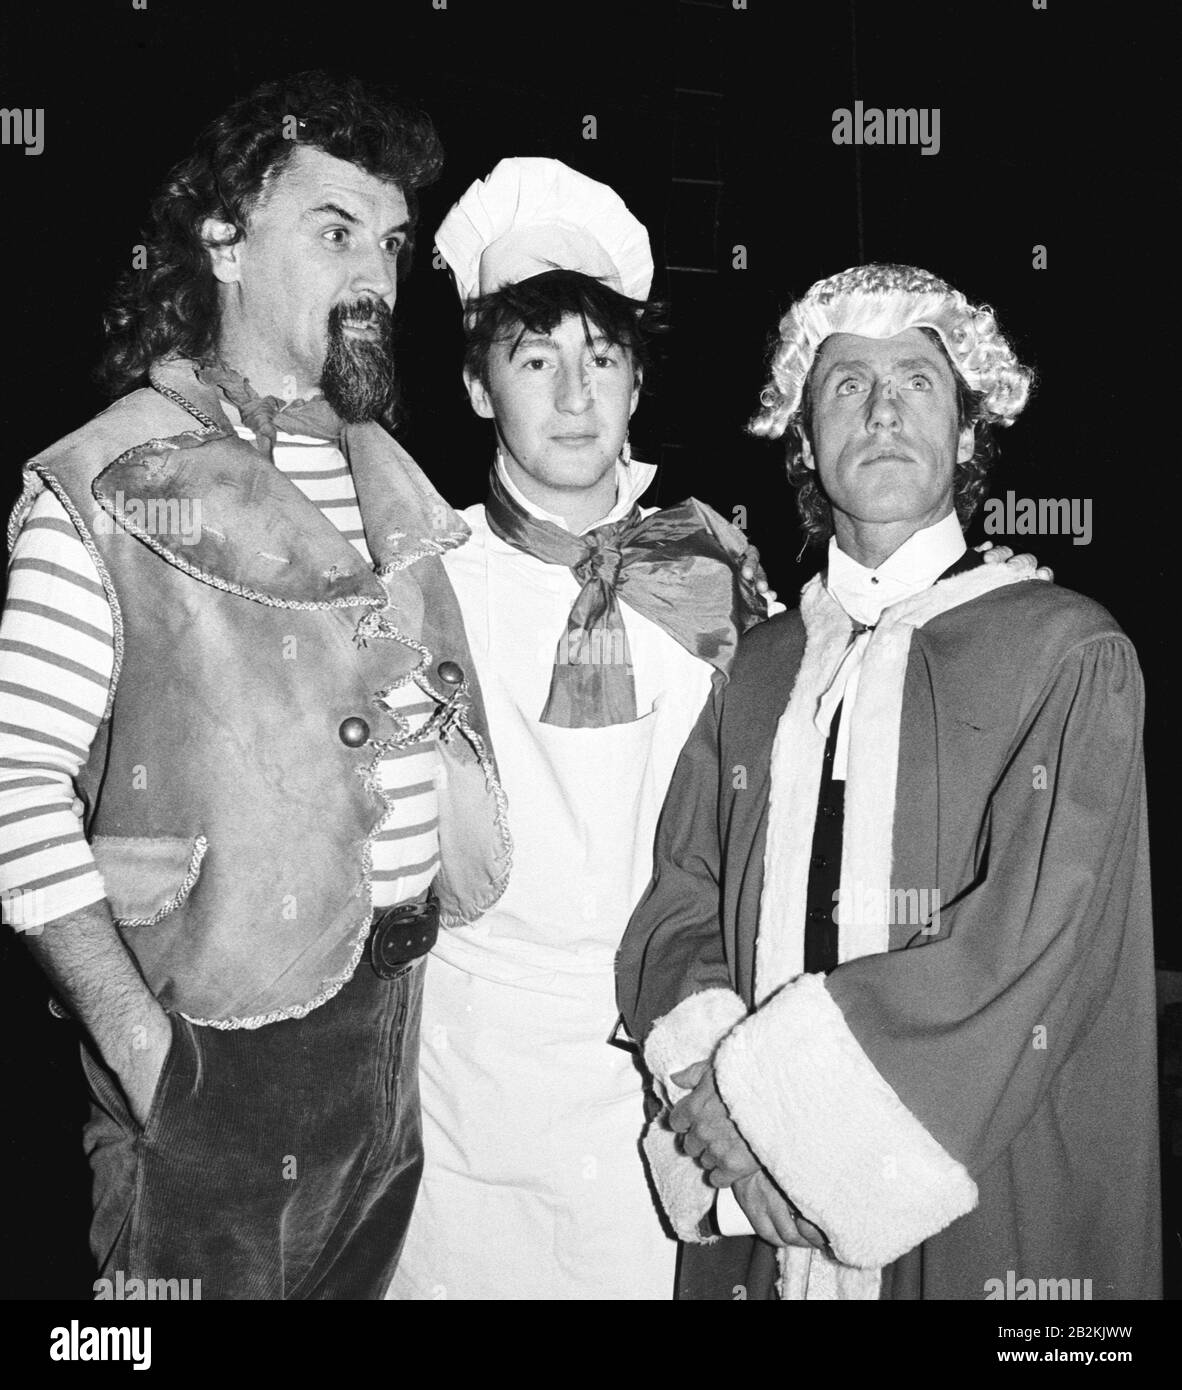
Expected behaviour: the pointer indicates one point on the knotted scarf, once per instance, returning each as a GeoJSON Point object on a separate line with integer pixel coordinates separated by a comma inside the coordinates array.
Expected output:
{"type": "Point", "coordinates": [679, 567]}
{"type": "Point", "coordinates": [265, 416]}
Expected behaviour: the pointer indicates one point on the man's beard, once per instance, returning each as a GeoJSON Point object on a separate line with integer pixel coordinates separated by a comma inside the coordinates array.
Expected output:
{"type": "Point", "coordinates": [358, 376]}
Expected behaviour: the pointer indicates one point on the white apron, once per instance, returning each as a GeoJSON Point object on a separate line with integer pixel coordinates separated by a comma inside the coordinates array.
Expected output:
{"type": "Point", "coordinates": [534, 1186]}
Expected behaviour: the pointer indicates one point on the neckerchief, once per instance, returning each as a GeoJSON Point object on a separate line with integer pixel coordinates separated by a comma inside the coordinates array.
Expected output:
{"type": "Point", "coordinates": [679, 567]}
{"type": "Point", "coordinates": [265, 416]}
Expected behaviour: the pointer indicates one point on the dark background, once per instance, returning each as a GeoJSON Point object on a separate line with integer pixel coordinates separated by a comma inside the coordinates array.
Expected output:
{"type": "Point", "coordinates": [715, 125]}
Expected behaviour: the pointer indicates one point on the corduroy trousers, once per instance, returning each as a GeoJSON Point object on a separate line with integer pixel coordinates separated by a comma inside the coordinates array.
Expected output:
{"type": "Point", "coordinates": [278, 1162]}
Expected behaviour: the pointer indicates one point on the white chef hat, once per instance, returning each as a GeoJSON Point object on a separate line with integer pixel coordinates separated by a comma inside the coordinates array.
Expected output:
{"type": "Point", "coordinates": [878, 301]}
{"type": "Point", "coordinates": [534, 215]}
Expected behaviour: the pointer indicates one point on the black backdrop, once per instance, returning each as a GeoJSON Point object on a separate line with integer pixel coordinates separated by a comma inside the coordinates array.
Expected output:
{"type": "Point", "coordinates": [713, 118]}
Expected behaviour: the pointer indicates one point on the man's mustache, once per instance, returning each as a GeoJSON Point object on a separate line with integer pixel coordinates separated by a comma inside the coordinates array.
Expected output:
{"type": "Point", "coordinates": [363, 313]}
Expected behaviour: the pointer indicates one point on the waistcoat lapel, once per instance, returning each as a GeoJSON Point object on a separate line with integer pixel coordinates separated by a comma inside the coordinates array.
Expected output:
{"type": "Point", "coordinates": [210, 504]}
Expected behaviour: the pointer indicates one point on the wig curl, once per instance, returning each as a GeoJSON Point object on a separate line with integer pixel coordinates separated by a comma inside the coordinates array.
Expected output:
{"type": "Point", "coordinates": [879, 301]}
{"type": "Point", "coordinates": [170, 308]}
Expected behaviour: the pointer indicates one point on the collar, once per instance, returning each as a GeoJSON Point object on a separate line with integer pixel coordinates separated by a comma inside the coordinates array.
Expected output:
{"type": "Point", "coordinates": [632, 482]}
{"type": "Point", "coordinates": [259, 535]}
{"type": "Point", "coordinates": [922, 558]}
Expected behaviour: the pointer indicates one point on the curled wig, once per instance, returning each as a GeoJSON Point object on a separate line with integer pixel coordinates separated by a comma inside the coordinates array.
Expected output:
{"type": "Point", "coordinates": [878, 301]}
{"type": "Point", "coordinates": [171, 306]}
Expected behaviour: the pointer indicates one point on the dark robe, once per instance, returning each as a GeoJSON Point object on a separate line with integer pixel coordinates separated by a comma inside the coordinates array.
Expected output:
{"type": "Point", "coordinates": [967, 1101]}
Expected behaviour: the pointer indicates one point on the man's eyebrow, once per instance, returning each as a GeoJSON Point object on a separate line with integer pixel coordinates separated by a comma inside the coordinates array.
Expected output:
{"type": "Point", "coordinates": [334, 210]}
{"type": "Point", "coordinates": [853, 364]}
{"type": "Point", "coordinates": [846, 364]}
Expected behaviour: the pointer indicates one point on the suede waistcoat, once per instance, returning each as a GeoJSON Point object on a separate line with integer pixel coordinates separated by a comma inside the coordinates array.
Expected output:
{"type": "Point", "coordinates": [231, 821]}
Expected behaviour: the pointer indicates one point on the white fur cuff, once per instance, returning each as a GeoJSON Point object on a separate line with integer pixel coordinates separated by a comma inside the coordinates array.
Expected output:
{"type": "Point", "coordinates": [689, 1033]}
{"type": "Point", "coordinates": [835, 1136]}
{"type": "Point", "coordinates": [681, 1185]}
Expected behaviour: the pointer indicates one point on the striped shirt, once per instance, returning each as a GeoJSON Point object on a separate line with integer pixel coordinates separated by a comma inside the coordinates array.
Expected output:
{"type": "Point", "coordinates": [56, 657]}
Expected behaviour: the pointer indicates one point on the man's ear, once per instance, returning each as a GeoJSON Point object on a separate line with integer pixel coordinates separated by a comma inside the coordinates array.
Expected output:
{"type": "Point", "coordinates": [478, 395]}
{"type": "Point", "coordinates": [637, 382]}
{"type": "Point", "coordinates": [806, 453]}
{"type": "Point", "coordinates": [965, 444]}
{"type": "Point", "coordinates": [224, 251]}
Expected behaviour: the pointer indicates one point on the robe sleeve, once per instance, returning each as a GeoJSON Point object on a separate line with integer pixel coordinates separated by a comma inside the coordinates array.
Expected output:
{"type": "Point", "coordinates": [876, 1096]}
{"type": "Point", "coordinates": [673, 982]}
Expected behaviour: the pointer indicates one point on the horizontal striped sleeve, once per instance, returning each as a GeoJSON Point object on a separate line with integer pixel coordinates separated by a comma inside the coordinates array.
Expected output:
{"type": "Point", "coordinates": [56, 658]}
{"type": "Point", "coordinates": [406, 847]}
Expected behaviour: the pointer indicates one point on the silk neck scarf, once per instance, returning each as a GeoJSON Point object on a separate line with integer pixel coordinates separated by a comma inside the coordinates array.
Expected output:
{"type": "Point", "coordinates": [679, 567]}
{"type": "Point", "coordinates": [265, 416]}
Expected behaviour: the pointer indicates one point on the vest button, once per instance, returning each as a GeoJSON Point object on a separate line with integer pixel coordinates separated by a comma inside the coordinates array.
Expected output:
{"type": "Point", "coordinates": [451, 673]}
{"type": "Point", "coordinates": [354, 732]}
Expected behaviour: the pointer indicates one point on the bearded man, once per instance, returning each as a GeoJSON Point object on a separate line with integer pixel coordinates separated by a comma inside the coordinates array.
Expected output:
{"type": "Point", "coordinates": [229, 632]}
{"type": "Point", "coordinates": [894, 972]}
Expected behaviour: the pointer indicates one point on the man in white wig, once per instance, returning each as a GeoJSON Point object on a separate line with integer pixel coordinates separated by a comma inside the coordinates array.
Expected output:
{"type": "Point", "coordinates": [597, 626]}
{"type": "Point", "coordinates": [894, 972]}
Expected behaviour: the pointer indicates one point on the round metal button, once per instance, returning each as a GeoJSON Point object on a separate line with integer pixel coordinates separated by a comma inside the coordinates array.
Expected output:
{"type": "Point", "coordinates": [354, 732]}
{"type": "Point", "coordinates": [451, 673]}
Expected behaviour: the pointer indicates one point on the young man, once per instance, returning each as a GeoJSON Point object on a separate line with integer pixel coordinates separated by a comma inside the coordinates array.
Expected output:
{"type": "Point", "coordinates": [595, 628]}
{"type": "Point", "coordinates": [895, 966]}
{"type": "Point", "coordinates": [229, 631]}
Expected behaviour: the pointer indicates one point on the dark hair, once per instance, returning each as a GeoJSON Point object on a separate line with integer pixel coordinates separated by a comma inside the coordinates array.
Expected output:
{"type": "Point", "coordinates": [171, 307]}
{"type": "Point", "coordinates": [970, 479]}
{"type": "Point", "coordinates": [539, 304]}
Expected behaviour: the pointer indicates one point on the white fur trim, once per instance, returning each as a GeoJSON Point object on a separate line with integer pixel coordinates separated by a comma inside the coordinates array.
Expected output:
{"type": "Point", "coordinates": [875, 722]}
{"type": "Point", "coordinates": [833, 1133]}
{"type": "Point", "coordinates": [681, 1185]}
{"type": "Point", "coordinates": [814, 1275]}
{"type": "Point", "coordinates": [869, 822]}
{"type": "Point", "coordinates": [797, 755]}
{"type": "Point", "coordinates": [868, 831]}
{"type": "Point", "coordinates": [687, 1034]}
{"type": "Point", "coordinates": [792, 807]}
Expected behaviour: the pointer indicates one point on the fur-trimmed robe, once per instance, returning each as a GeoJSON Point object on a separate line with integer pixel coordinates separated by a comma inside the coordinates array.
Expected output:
{"type": "Point", "coordinates": [958, 1099]}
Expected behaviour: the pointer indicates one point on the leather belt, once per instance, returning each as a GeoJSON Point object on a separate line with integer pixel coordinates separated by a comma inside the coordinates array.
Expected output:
{"type": "Point", "coordinates": [400, 935]}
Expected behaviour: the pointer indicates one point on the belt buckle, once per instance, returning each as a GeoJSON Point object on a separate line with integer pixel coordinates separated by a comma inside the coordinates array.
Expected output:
{"type": "Point", "coordinates": [401, 936]}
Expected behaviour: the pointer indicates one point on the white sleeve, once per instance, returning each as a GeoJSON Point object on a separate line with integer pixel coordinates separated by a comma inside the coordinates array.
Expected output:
{"type": "Point", "coordinates": [57, 653]}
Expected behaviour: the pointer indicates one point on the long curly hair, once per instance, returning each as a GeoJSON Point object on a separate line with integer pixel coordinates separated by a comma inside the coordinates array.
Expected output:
{"type": "Point", "coordinates": [171, 306]}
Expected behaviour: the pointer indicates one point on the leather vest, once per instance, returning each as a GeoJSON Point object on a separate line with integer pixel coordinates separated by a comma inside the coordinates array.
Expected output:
{"type": "Point", "coordinates": [231, 819]}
